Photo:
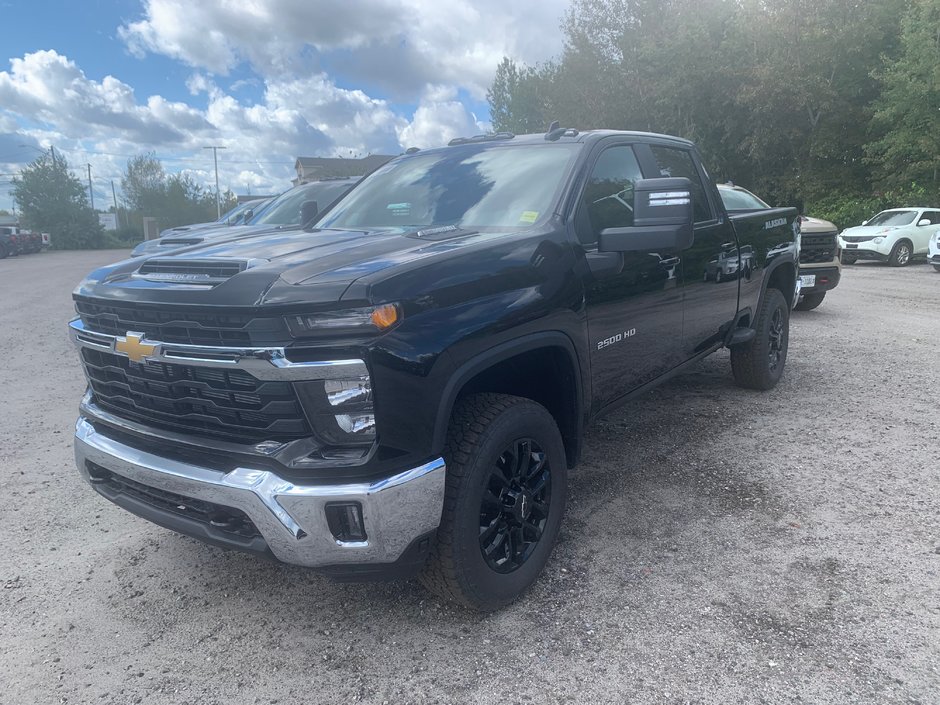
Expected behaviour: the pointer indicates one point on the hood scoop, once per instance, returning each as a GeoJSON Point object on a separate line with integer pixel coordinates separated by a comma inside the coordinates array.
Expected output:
{"type": "Point", "coordinates": [191, 271]}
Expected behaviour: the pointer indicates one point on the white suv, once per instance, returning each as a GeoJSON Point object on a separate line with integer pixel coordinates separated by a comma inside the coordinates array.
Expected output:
{"type": "Point", "coordinates": [894, 236]}
{"type": "Point", "coordinates": [933, 251]}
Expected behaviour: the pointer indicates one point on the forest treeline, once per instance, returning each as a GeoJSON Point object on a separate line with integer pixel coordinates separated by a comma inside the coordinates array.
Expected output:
{"type": "Point", "coordinates": [830, 105]}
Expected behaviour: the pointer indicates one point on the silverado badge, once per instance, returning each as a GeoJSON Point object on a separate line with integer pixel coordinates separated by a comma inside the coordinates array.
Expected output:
{"type": "Point", "coordinates": [133, 346]}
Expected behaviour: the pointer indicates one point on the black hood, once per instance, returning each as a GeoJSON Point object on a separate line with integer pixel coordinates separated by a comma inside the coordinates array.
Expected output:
{"type": "Point", "coordinates": [284, 267]}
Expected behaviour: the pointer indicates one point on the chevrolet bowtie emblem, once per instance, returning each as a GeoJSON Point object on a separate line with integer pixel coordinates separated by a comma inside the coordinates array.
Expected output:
{"type": "Point", "coordinates": [133, 346]}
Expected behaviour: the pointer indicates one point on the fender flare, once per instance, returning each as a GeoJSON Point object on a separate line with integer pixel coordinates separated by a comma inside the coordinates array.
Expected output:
{"type": "Point", "coordinates": [768, 273]}
{"type": "Point", "coordinates": [493, 356]}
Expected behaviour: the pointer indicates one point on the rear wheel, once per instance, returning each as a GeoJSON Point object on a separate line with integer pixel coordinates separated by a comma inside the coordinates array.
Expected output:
{"type": "Point", "coordinates": [505, 496]}
{"type": "Point", "coordinates": [811, 301]}
{"type": "Point", "coordinates": [900, 254]}
{"type": "Point", "coordinates": [759, 364]}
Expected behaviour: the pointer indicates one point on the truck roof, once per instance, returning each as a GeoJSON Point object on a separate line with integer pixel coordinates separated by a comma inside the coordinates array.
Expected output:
{"type": "Point", "coordinates": [559, 135]}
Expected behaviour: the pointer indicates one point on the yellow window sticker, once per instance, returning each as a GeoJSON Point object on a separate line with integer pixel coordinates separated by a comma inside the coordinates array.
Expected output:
{"type": "Point", "coordinates": [529, 216]}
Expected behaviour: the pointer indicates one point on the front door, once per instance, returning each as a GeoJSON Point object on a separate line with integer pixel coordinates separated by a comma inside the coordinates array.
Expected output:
{"type": "Point", "coordinates": [634, 304]}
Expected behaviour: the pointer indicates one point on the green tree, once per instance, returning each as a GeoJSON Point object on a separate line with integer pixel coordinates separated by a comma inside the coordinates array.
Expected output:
{"type": "Point", "coordinates": [777, 95]}
{"type": "Point", "coordinates": [52, 200]}
{"type": "Point", "coordinates": [516, 104]}
{"type": "Point", "coordinates": [174, 199]}
{"type": "Point", "coordinates": [144, 184]}
{"type": "Point", "coordinates": [906, 150]}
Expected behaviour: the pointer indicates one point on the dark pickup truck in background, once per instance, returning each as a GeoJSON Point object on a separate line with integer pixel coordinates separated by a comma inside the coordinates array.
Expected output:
{"type": "Point", "coordinates": [403, 388]}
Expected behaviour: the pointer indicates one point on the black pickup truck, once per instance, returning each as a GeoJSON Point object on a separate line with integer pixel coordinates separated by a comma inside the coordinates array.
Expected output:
{"type": "Point", "coordinates": [402, 388]}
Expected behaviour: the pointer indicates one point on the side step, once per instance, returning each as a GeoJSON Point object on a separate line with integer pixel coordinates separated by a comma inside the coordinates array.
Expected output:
{"type": "Point", "coordinates": [741, 336]}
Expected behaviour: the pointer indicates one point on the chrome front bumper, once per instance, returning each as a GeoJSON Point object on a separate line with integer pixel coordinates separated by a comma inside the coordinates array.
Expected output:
{"type": "Point", "coordinates": [291, 518]}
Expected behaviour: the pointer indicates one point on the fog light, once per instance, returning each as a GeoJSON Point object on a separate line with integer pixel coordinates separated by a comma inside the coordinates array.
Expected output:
{"type": "Point", "coordinates": [345, 521]}
{"type": "Point", "coordinates": [357, 424]}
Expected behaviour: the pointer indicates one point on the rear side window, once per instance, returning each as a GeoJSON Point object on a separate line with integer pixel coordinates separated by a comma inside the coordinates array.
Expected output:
{"type": "Point", "coordinates": [932, 216]}
{"type": "Point", "coordinates": [673, 162]}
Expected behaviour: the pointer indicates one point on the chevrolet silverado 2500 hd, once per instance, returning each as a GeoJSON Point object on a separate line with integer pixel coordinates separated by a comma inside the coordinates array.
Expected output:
{"type": "Point", "coordinates": [403, 387]}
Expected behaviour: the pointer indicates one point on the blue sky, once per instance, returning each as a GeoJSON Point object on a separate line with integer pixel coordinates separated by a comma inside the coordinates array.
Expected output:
{"type": "Point", "coordinates": [270, 80]}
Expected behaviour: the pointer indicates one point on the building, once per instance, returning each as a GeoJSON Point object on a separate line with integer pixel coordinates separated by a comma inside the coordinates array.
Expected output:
{"type": "Point", "coordinates": [8, 220]}
{"type": "Point", "coordinates": [317, 168]}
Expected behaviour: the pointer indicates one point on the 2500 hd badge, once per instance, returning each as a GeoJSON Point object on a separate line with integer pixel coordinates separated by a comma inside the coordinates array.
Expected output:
{"type": "Point", "coordinates": [601, 344]}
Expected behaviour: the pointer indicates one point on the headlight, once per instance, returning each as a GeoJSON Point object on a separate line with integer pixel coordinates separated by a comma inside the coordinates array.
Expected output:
{"type": "Point", "coordinates": [353, 321]}
{"type": "Point", "coordinates": [879, 240]}
{"type": "Point", "coordinates": [341, 414]}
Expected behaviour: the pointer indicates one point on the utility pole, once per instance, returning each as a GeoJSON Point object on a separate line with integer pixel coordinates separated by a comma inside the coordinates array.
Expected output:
{"type": "Point", "coordinates": [91, 192]}
{"type": "Point", "coordinates": [117, 213]}
{"type": "Point", "coordinates": [52, 151]}
{"type": "Point", "coordinates": [218, 195]}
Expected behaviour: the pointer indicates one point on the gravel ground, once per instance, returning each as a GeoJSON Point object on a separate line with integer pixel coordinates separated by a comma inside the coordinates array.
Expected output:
{"type": "Point", "coordinates": [721, 546]}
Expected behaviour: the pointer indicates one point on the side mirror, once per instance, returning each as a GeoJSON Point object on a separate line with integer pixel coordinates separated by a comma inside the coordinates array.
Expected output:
{"type": "Point", "coordinates": [924, 221]}
{"type": "Point", "coordinates": [246, 216]}
{"type": "Point", "coordinates": [864, 222]}
{"type": "Point", "coordinates": [308, 211]}
{"type": "Point", "coordinates": [662, 218]}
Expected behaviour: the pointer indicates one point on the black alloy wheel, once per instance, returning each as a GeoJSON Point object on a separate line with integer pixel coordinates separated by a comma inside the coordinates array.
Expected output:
{"type": "Point", "coordinates": [775, 333]}
{"type": "Point", "coordinates": [759, 364]}
{"type": "Point", "coordinates": [504, 498]}
{"type": "Point", "coordinates": [515, 506]}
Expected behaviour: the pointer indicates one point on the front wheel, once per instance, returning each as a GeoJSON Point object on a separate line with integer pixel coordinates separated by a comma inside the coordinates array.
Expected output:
{"type": "Point", "coordinates": [505, 496]}
{"type": "Point", "coordinates": [900, 254]}
{"type": "Point", "coordinates": [759, 363]}
{"type": "Point", "coordinates": [810, 301]}
{"type": "Point", "coordinates": [937, 267]}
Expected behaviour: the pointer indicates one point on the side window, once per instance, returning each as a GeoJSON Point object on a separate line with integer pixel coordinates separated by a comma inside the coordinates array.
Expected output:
{"type": "Point", "coordinates": [933, 216]}
{"type": "Point", "coordinates": [608, 194]}
{"type": "Point", "coordinates": [678, 162]}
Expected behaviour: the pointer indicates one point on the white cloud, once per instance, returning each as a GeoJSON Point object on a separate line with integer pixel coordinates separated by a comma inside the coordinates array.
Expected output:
{"type": "Point", "coordinates": [304, 56]}
{"type": "Point", "coordinates": [436, 123]}
{"type": "Point", "coordinates": [398, 45]}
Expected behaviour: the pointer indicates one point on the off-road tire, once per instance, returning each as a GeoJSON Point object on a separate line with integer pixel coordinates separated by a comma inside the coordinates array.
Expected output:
{"type": "Point", "coordinates": [810, 301]}
{"type": "Point", "coordinates": [481, 427]}
{"type": "Point", "coordinates": [751, 363]}
{"type": "Point", "coordinates": [897, 258]}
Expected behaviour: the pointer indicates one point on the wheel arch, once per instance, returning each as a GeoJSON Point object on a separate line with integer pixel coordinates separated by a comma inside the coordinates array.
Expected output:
{"type": "Point", "coordinates": [780, 275]}
{"type": "Point", "coordinates": [518, 367]}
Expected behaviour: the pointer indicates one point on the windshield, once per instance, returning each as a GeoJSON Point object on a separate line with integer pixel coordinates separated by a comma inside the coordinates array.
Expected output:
{"type": "Point", "coordinates": [741, 200]}
{"type": "Point", "coordinates": [285, 209]}
{"type": "Point", "coordinates": [469, 186]}
{"type": "Point", "coordinates": [893, 218]}
{"type": "Point", "coordinates": [234, 215]}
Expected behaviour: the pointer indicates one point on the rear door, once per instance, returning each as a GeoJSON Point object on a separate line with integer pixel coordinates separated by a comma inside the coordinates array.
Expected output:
{"type": "Point", "coordinates": [712, 270]}
{"type": "Point", "coordinates": [633, 301]}
{"type": "Point", "coordinates": [925, 232]}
